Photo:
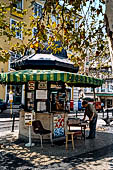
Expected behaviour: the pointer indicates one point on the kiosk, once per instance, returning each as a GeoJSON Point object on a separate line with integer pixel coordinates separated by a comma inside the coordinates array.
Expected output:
{"type": "Point", "coordinates": [46, 95]}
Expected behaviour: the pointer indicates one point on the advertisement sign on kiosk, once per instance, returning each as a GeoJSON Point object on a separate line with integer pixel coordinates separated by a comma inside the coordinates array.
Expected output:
{"type": "Point", "coordinates": [28, 122]}
{"type": "Point", "coordinates": [28, 119]}
{"type": "Point", "coordinates": [31, 85]}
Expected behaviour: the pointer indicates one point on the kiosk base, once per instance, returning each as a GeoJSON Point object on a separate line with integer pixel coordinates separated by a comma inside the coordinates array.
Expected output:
{"type": "Point", "coordinates": [29, 144]}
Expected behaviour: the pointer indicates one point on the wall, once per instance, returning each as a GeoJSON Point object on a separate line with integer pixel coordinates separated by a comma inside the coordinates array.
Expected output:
{"type": "Point", "coordinates": [7, 45]}
{"type": "Point", "coordinates": [109, 25]}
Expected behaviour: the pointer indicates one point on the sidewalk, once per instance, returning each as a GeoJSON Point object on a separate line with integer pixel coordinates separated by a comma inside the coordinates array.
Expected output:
{"type": "Point", "coordinates": [8, 119]}
{"type": "Point", "coordinates": [56, 154]}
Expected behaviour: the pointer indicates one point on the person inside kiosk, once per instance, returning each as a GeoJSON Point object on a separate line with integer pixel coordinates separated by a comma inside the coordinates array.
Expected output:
{"type": "Point", "coordinates": [59, 102]}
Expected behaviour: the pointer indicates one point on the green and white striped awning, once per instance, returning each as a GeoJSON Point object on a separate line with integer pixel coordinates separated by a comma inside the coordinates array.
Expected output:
{"type": "Point", "coordinates": [72, 79]}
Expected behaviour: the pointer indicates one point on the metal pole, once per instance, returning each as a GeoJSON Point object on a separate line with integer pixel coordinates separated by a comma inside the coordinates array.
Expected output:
{"type": "Point", "coordinates": [107, 114]}
{"type": "Point", "coordinates": [11, 100]}
{"type": "Point", "coordinates": [30, 135]}
{"type": "Point", "coordinates": [94, 94]}
{"type": "Point", "coordinates": [50, 106]}
{"type": "Point", "coordinates": [13, 122]}
{"type": "Point", "coordinates": [11, 109]}
{"type": "Point", "coordinates": [103, 112]}
{"type": "Point", "coordinates": [94, 98]}
{"type": "Point", "coordinates": [76, 113]}
{"type": "Point", "coordinates": [72, 92]}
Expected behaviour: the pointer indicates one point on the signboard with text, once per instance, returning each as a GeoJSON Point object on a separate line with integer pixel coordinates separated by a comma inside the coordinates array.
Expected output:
{"type": "Point", "coordinates": [42, 85]}
{"type": "Point", "coordinates": [28, 119]}
{"type": "Point", "coordinates": [41, 94]}
{"type": "Point", "coordinates": [31, 85]}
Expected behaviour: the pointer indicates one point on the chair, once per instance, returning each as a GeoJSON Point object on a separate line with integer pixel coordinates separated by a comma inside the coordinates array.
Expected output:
{"type": "Point", "coordinates": [39, 129]}
{"type": "Point", "coordinates": [72, 139]}
{"type": "Point", "coordinates": [72, 134]}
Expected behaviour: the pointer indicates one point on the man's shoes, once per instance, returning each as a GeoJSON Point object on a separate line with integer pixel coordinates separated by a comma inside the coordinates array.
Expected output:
{"type": "Point", "coordinates": [89, 137]}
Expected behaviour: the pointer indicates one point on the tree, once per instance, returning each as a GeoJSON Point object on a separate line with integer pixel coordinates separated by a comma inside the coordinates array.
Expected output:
{"type": "Point", "coordinates": [6, 32]}
{"type": "Point", "coordinates": [78, 25]}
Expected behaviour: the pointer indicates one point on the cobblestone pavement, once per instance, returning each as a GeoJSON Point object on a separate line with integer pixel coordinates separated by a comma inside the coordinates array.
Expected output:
{"type": "Point", "coordinates": [101, 159]}
{"type": "Point", "coordinates": [98, 160]}
{"type": "Point", "coordinates": [93, 154]}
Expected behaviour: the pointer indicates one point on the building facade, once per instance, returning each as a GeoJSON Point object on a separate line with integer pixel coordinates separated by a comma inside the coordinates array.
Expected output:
{"type": "Point", "coordinates": [109, 30]}
{"type": "Point", "coordinates": [103, 93]}
{"type": "Point", "coordinates": [109, 25]}
{"type": "Point", "coordinates": [14, 16]}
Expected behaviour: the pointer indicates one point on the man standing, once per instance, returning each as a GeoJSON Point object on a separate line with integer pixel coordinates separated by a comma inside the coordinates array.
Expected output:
{"type": "Point", "coordinates": [90, 111]}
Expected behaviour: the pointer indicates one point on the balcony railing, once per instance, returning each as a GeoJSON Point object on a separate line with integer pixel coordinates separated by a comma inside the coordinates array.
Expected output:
{"type": "Point", "coordinates": [17, 12]}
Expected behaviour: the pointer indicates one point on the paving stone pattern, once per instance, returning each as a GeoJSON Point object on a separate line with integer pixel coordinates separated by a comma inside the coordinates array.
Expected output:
{"type": "Point", "coordinates": [96, 154]}
{"type": "Point", "coordinates": [93, 154]}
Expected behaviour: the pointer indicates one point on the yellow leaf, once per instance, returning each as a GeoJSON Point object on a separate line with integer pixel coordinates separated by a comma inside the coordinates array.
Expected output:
{"type": "Point", "coordinates": [36, 44]}
{"type": "Point", "coordinates": [54, 25]}
{"type": "Point", "coordinates": [31, 46]}
{"type": "Point", "coordinates": [31, 17]}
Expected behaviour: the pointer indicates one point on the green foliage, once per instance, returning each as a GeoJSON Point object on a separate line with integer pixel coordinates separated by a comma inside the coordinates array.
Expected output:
{"type": "Point", "coordinates": [78, 25]}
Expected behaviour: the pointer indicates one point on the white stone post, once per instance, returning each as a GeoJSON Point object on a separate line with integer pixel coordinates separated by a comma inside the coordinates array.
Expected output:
{"type": "Point", "coordinates": [23, 95]}
{"type": "Point", "coordinates": [75, 98]}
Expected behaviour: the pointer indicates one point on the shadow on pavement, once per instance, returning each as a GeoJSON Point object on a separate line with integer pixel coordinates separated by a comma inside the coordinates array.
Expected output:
{"type": "Point", "coordinates": [10, 161]}
{"type": "Point", "coordinates": [14, 153]}
{"type": "Point", "coordinates": [6, 113]}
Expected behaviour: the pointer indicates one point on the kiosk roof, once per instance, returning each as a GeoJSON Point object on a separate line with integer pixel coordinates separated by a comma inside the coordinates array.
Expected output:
{"type": "Point", "coordinates": [72, 79]}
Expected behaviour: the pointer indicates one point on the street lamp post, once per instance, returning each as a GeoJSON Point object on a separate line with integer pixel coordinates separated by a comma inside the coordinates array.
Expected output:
{"type": "Point", "coordinates": [11, 107]}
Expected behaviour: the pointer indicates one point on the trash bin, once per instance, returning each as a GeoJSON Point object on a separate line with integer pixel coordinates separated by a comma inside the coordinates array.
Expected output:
{"type": "Point", "coordinates": [79, 105]}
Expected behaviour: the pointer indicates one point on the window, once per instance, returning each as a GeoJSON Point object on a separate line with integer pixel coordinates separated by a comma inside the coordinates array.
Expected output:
{"type": "Point", "coordinates": [103, 88]}
{"type": "Point", "coordinates": [55, 19]}
{"type": "Point", "coordinates": [109, 103]}
{"type": "Point", "coordinates": [37, 10]}
{"type": "Point", "coordinates": [91, 89]}
{"type": "Point", "coordinates": [85, 90]}
{"type": "Point", "coordinates": [34, 31]}
{"type": "Point", "coordinates": [76, 25]}
{"type": "Point", "coordinates": [14, 56]}
{"type": "Point", "coordinates": [16, 28]}
{"type": "Point", "coordinates": [2, 70]}
{"type": "Point", "coordinates": [18, 4]}
{"type": "Point", "coordinates": [97, 89]}
{"type": "Point", "coordinates": [109, 88]}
